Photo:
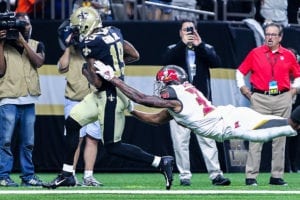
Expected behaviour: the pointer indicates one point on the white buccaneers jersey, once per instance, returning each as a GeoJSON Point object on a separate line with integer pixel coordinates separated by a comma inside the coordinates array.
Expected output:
{"type": "Point", "coordinates": [194, 105]}
{"type": "Point", "coordinates": [199, 115]}
{"type": "Point", "coordinates": [194, 109]}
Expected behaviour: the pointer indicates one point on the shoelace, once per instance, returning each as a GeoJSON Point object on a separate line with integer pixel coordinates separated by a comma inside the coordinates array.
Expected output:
{"type": "Point", "coordinates": [91, 181]}
{"type": "Point", "coordinates": [34, 180]}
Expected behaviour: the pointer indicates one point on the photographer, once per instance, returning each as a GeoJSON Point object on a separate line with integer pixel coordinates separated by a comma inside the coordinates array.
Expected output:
{"type": "Point", "coordinates": [196, 57]}
{"type": "Point", "coordinates": [19, 91]}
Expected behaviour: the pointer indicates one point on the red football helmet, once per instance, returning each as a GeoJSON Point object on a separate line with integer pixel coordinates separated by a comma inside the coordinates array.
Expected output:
{"type": "Point", "coordinates": [169, 75]}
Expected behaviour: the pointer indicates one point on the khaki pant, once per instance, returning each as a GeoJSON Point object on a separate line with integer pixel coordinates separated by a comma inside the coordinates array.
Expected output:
{"type": "Point", "coordinates": [181, 142]}
{"type": "Point", "coordinates": [280, 105]}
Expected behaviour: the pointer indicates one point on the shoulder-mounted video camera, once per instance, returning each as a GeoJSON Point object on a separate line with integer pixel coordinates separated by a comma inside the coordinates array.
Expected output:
{"type": "Point", "coordinates": [9, 22]}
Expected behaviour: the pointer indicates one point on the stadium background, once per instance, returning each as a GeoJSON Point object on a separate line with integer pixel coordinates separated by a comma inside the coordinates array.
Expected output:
{"type": "Point", "coordinates": [232, 42]}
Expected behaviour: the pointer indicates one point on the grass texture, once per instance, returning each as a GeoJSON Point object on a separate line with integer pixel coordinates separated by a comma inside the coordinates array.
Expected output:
{"type": "Point", "coordinates": [152, 186]}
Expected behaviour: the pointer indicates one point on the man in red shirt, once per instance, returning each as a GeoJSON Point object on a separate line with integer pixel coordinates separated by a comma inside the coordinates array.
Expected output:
{"type": "Point", "coordinates": [271, 68]}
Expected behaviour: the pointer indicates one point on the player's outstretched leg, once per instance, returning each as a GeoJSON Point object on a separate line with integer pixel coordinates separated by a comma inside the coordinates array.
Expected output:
{"type": "Point", "coordinates": [64, 179]}
{"type": "Point", "coordinates": [166, 168]}
{"type": "Point", "coordinates": [262, 135]}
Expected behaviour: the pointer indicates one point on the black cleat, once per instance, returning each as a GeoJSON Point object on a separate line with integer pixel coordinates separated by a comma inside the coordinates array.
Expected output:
{"type": "Point", "coordinates": [251, 181]}
{"type": "Point", "coordinates": [185, 182]}
{"type": "Point", "coordinates": [61, 180]}
{"type": "Point", "coordinates": [166, 168]}
{"type": "Point", "coordinates": [277, 181]}
{"type": "Point", "coordinates": [221, 181]}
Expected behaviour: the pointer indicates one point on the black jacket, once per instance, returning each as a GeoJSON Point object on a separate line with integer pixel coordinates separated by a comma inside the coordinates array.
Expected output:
{"type": "Point", "coordinates": [206, 58]}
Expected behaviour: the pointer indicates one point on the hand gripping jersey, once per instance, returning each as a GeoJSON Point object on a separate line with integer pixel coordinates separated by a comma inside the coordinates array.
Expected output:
{"type": "Point", "coordinates": [106, 45]}
{"type": "Point", "coordinates": [222, 122]}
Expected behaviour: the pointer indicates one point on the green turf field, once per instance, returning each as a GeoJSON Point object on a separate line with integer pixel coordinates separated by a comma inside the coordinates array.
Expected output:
{"type": "Point", "coordinates": [152, 186]}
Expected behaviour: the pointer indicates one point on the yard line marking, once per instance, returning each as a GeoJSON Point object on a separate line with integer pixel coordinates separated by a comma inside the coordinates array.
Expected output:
{"type": "Point", "coordinates": [147, 192]}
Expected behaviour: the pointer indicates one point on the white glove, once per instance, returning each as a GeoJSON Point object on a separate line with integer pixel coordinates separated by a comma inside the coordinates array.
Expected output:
{"type": "Point", "coordinates": [130, 106]}
{"type": "Point", "coordinates": [105, 71]}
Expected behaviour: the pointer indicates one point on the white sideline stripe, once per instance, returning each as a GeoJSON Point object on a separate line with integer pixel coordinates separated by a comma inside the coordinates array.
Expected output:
{"type": "Point", "coordinates": [147, 192]}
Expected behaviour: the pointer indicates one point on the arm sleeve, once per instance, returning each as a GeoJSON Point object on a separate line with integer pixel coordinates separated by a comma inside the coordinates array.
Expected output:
{"type": "Point", "coordinates": [296, 83]}
{"type": "Point", "coordinates": [240, 81]}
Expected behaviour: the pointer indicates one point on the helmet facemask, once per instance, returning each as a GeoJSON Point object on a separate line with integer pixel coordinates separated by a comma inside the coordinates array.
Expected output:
{"type": "Point", "coordinates": [158, 87]}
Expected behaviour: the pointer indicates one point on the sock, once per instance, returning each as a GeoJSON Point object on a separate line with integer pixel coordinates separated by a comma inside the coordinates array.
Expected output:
{"type": "Point", "coordinates": [156, 161]}
{"type": "Point", "coordinates": [68, 168]}
{"type": "Point", "coordinates": [88, 173]}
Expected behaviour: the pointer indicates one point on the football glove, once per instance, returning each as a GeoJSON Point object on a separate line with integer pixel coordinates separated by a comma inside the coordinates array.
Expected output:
{"type": "Point", "coordinates": [105, 71]}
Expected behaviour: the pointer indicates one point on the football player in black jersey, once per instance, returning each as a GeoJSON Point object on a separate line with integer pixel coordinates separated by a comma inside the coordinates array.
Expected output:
{"type": "Point", "coordinates": [107, 105]}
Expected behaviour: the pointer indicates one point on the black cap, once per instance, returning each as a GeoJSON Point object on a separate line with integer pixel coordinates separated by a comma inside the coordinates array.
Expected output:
{"type": "Point", "coordinates": [295, 116]}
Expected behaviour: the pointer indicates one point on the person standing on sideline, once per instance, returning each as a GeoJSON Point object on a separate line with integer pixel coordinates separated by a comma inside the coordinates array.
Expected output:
{"type": "Point", "coordinates": [195, 57]}
{"type": "Point", "coordinates": [77, 87]}
{"type": "Point", "coordinates": [20, 58]}
{"type": "Point", "coordinates": [271, 66]}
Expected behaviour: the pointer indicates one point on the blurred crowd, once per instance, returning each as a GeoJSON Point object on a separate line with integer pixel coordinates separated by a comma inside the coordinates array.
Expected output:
{"type": "Point", "coordinates": [286, 11]}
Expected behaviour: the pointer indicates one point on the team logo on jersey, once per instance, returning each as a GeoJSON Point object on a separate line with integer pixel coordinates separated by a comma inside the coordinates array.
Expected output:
{"type": "Point", "coordinates": [281, 58]}
{"type": "Point", "coordinates": [111, 98]}
{"type": "Point", "coordinates": [86, 51]}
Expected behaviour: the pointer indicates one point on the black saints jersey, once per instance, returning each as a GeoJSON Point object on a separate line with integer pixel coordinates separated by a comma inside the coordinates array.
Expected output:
{"type": "Point", "coordinates": [106, 45]}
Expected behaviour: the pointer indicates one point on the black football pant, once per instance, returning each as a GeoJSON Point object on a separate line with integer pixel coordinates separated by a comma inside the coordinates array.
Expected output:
{"type": "Point", "coordinates": [123, 150]}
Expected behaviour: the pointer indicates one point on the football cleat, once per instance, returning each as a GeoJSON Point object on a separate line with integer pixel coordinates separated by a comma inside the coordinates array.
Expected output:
{"type": "Point", "coordinates": [8, 182]}
{"type": "Point", "coordinates": [221, 181]}
{"type": "Point", "coordinates": [91, 181]}
{"type": "Point", "coordinates": [166, 168]}
{"type": "Point", "coordinates": [61, 180]}
{"type": "Point", "coordinates": [34, 181]}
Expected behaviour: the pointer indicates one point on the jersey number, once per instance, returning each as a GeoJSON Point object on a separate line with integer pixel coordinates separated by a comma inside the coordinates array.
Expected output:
{"type": "Point", "coordinates": [200, 99]}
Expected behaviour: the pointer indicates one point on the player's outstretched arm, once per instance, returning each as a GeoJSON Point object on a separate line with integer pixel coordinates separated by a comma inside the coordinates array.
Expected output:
{"type": "Point", "coordinates": [153, 118]}
{"type": "Point", "coordinates": [147, 100]}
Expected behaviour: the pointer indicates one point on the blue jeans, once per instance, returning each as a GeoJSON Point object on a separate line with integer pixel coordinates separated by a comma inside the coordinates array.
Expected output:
{"type": "Point", "coordinates": [23, 116]}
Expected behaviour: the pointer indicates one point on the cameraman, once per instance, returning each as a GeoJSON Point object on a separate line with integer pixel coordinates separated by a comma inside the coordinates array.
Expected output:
{"type": "Point", "coordinates": [19, 91]}
{"type": "Point", "coordinates": [196, 57]}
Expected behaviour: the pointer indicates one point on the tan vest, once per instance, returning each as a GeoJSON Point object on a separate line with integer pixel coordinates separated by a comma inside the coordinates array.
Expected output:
{"type": "Point", "coordinates": [77, 85]}
{"type": "Point", "coordinates": [21, 77]}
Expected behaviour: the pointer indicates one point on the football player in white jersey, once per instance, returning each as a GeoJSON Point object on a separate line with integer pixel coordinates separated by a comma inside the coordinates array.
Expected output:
{"type": "Point", "coordinates": [189, 107]}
